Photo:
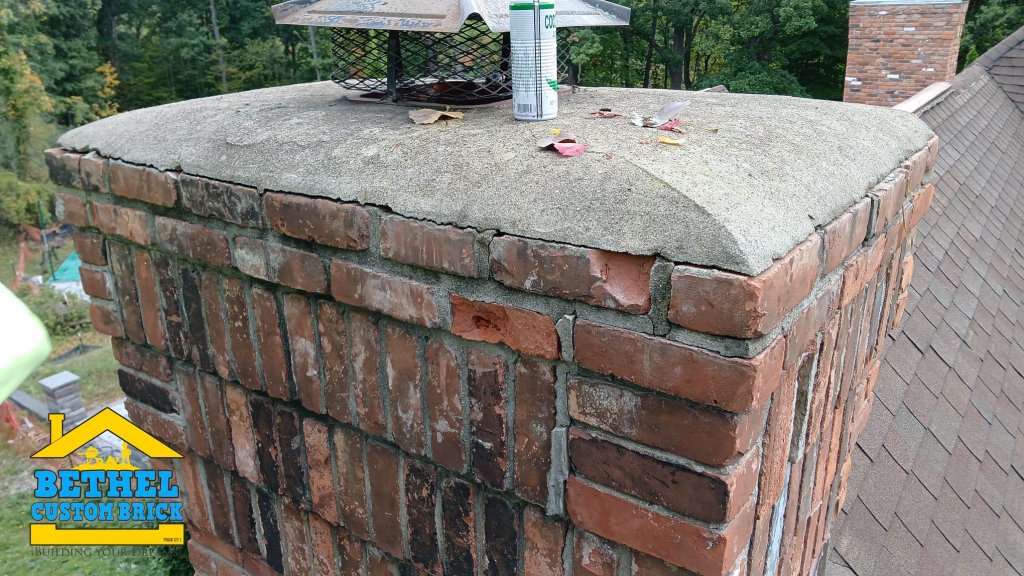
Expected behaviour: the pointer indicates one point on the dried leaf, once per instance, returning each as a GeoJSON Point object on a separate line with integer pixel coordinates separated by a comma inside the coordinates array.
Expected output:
{"type": "Point", "coordinates": [550, 141]}
{"type": "Point", "coordinates": [555, 131]}
{"type": "Point", "coordinates": [669, 141]}
{"type": "Point", "coordinates": [571, 149]}
{"type": "Point", "coordinates": [428, 116]}
{"type": "Point", "coordinates": [713, 130]}
{"type": "Point", "coordinates": [670, 125]}
{"type": "Point", "coordinates": [605, 114]}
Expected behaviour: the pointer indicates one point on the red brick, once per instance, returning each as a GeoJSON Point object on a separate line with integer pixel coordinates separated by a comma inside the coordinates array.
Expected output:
{"type": "Point", "coordinates": [382, 467]}
{"type": "Point", "coordinates": [488, 419]}
{"type": "Point", "coordinates": [220, 510]}
{"type": "Point", "coordinates": [922, 201]}
{"type": "Point", "coordinates": [859, 270]}
{"type": "Point", "coordinates": [122, 266]}
{"type": "Point", "coordinates": [216, 327]}
{"type": "Point", "coordinates": [534, 419]}
{"type": "Point", "coordinates": [95, 283]}
{"type": "Point", "coordinates": [608, 279]}
{"type": "Point", "coordinates": [444, 403]}
{"type": "Point", "coordinates": [63, 167]}
{"type": "Point", "coordinates": [730, 304]}
{"type": "Point", "coordinates": [229, 202]}
{"type": "Point", "coordinates": [889, 196]}
{"type": "Point", "coordinates": [402, 373]}
{"type": "Point", "coordinates": [267, 455]}
{"type": "Point", "coordinates": [293, 529]}
{"type": "Point", "coordinates": [669, 538]}
{"type": "Point", "coordinates": [217, 424]}
{"type": "Point", "coordinates": [280, 264]}
{"type": "Point", "coordinates": [776, 441]}
{"type": "Point", "coordinates": [502, 535]}
{"type": "Point", "coordinates": [845, 234]}
{"type": "Point", "coordinates": [195, 334]}
{"type": "Point", "coordinates": [545, 540]}
{"type": "Point", "coordinates": [242, 438]}
{"type": "Point", "coordinates": [933, 153]}
{"type": "Point", "coordinates": [268, 334]}
{"type": "Point", "coordinates": [712, 437]}
{"type": "Point", "coordinates": [377, 564]}
{"type": "Point", "coordinates": [141, 359]}
{"type": "Point", "coordinates": [321, 477]}
{"type": "Point", "coordinates": [915, 167]}
{"type": "Point", "coordinates": [712, 497]}
{"type": "Point", "coordinates": [348, 458]}
{"type": "Point", "coordinates": [364, 350]}
{"type": "Point", "coordinates": [167, 430]}
{"type": "Point", "coordinates": [91, 248]}
{"type": "Point", "coordinates": [192, 241]}
{"type": "Point", "coordinates": [335, 354]}
{"type": "Point", "coordinates": [241, 500]}
{"type": "Point", "coordinates": [529, 332]}
{"type": "Point", "coordinates": [127, 223]}
{"type": "Point", "coordinates": [105, 319]}
{"type": "Point", "coordinates": [240, 337]}
{"type": "Point", "coordinates": [203, 560]}
{"type": "Point", "coordinates": [192, 488]}
{"type": "Point", "coordinates": [192, 411]}
{"type": "Point", "coordinates": [459, 526]}
{"type": "Point", "coordinates": [594, 556]}
{"type": "Point", "coordinates": [255, 566]}
{"type": "Point", "coordinates": [644, 565]}
{"type": "Point", "coordinates": [426, 245]}
{"type": "Point", "coordinates": [321, 544]}
{"type": "Point", "coordinates": [298, 315]}
{"type": "Point", "coordinates": [397, 297]}
{"type": "Point", "coordinates": [71, 209]}
{"type": "Point", "coordinates": [734, 384]}
{"type": "Point", "coordinates": [174, 317]}
{"type": "Point", "coordinates": [142, 183]}
{"type": "Point", "coordinates": [149, 301]}
{"type": "Point", "coordinates": [93, 172]}
{"type": "Point", "coordinates": [350, 553]}
{"type": "Point", "coordinates": [802, 335]}
{"type": "Point", "coordinates": [420, 505]}
{"type": "Point", "coordinates": [292, 460]}
{"type": "Point", "coordinates": [318, 220]}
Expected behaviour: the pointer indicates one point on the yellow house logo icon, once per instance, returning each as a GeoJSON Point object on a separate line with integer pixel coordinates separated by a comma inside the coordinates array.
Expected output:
{"type": "Point", "coordinates": [107, 489]}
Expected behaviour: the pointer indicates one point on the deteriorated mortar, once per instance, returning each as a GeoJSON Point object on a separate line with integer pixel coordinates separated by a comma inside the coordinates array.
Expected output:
{"type": "Point", "coordinates": [363, 391]}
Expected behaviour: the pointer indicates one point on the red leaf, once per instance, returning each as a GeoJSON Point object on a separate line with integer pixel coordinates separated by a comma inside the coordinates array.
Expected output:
{"type": "Point", "coordinates": [670, 125]}
{"type": "Point", "coordinates": [571, 149]}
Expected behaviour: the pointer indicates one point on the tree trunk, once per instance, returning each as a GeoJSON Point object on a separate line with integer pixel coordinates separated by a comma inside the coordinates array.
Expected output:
{"type": "Point", "coordinates": [221, 62]}
{"type": "Point", "coordinates": [676, 72]}
{"type": "Point", "coordinates": [650, 46]}
{"type": "Point", "coordinates": [316, 55]}
{"type": "Point", "coordinates": [108, 29]}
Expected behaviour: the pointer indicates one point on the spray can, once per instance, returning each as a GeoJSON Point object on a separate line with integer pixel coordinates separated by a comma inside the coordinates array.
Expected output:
{"type": "Point", "coordinates": [534, 41]}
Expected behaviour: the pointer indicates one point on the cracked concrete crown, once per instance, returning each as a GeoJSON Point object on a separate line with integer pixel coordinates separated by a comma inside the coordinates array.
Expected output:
{"type": "Point", "coordinates": [752, 179]}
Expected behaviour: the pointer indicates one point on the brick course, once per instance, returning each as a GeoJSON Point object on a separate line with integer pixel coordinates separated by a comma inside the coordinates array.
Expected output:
{"type": "Point", "coordinates": [361, 391]}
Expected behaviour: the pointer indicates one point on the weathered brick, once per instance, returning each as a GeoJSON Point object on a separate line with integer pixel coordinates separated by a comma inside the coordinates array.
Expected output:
{"type": "Point", "coordinates": [143, 360]}
{"type": "Point", "coordinates": [534, 420]}
{"type": "Point", "coordinates": [859, 270]}
{"type": "Point", "coordinates": [594, 556]}
{"type": "Point", "coordinates": [608, 279]}
{"type": "Point", "coordinates": [192, 241]}
{"type": "Point", "coordinates": [350, 553]}
{"type": "Point", "coordinates": [348, 458]}
{"type": "Point", "coordinates": [322, 221]}
{"type": "Point", "coordinates": [70, 209]}
{"type": "Point", "coordinates": [122, 266]}
{"type": "Point", "coordinates": [279, 264]}
{"type": "Point", "coordinates": [644, 565]}
{"type": "Point", "coordinates": [531, 333]}
{"type": "Point", "coordinates": [149, 300]}
{"type": "Point", "coordinates": [269, 335]}
{"type": "Point", "coordinates": [398, 297]}
{"type": "Point", "coordinates": [105, 319]}
{"type": "Point", "coordinates": [196, 506]}
{"type": "Point", "coordinates": [922, 201]}
{"type": "Point", "coordinates": [220, 503]}
{"type": "Point", "coordinates": [93, 171]}
{"type": "Point", "coordinates": [267, 453]}
{"type": "Point", "coordinates": [143, 183]}
{"type": "Point", "coordinates": [216, 325]}
{"type": "Point", "coordinates": [426, 245]}
{"type": "Point", "coordinates": [196, 333]}
{"type": "Point", "coordinates": [488, 419]}
{"type": "Point", "coordinates": [96, 284]}
{"type": "Point", "coordinates": [712, 437]}
{"type": "Point", "coordinates": [148, 392]}
{"type": "Point", "coordinates": [91, 248]}
{"type": "Point", "coordinates": [444, 402]}
{"type": "Point", "coordinates": [382, 467]}
{"type": "Point", "coordinates": [334, 350]}
{"type": "Point", "coordinates": [378, 564]}
{"type": "Point", "coordinates": [274, 553]}
{"type": "Point", "coordinates": [712, 497]}
{"type": "Point", "coordinates": [63, 167]}
{"type": "Point", "coordinates": [845, 234]}
{"type": "Point", "coordinates": [364, 350]}
{"type": "Point", "coordinates": [734, 384]}
{"type": "Point", "coordinates": [673, 539]}
{"type": "Point", "coordinates": [888, 196]}
{"type": "Point", "coordinates": [189, 388]}
{"type": "Point", "coordinates": [501, 535]}
{"type": "Point", "coordinates": [297, 551]}
{"type": "Point", "coordinates": [402, 377]}
{"type": "Point", "coordinates": [229, 202]}
{"type": "Point", "coordinates": [245, 523]}
{"type": "Point", "coordinates": [166, 429]}
{"type": "Point", "coordinates": [217, 423]}
{"type": "Point", "coordinates": [545, 540]}
{"type": "Point", "coordinates": [421, 498]}
{"type": "Point", "coordinates": [128, 223]}
{"type": "Point", "coordinates": [458, 522]}
{"type": "Point", "coordinates": [240, 337]}
{"type": "Point", "coordinates": [243, 439]}
{"type": "Point", "coordinates": [292, 460]}
{"type": "Point", "coordinates": [321, 476]}
{"type": "Point", "coordinates": [728, 304]}
{"type": "Point", "coordinates": [174, 318]}
{"type": "Point", "coordinates": [321, 540]}
{"type": "Point", "coordinates": [298, 316]}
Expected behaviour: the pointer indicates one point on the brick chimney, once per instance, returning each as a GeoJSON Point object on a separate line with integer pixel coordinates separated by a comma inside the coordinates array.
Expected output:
{"type": "Point", "coordinates": [395, 349]}
{"type": "Point", "coordinates": [899, 47]}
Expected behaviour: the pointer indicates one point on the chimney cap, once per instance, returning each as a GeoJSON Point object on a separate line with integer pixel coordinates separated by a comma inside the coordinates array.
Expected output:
{"type": "Point", "coordinates": [435, 15]}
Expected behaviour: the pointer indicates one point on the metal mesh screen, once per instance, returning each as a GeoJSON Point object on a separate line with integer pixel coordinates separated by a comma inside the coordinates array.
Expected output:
{"type": "Point", "coordinates": [468, 67]}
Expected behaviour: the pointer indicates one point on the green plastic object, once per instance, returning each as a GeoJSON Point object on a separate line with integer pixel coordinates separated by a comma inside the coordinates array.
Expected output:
{"type": "Point", "coordinates": [24, 343]}
{"type": "Point", "coordinates": [70, 270]}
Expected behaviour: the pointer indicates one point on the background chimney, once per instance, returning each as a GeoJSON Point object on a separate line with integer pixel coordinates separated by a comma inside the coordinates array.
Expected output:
{"type": "Point", "coordinates": [899, 47]}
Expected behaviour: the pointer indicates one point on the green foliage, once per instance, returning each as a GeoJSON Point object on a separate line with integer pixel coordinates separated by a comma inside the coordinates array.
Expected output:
{"type": "Point", "coordinates": [19, 200]}
{"type": "Point", "coordinates": [988, 23]}
{"type": "Point", "coordinates": [62, 315]}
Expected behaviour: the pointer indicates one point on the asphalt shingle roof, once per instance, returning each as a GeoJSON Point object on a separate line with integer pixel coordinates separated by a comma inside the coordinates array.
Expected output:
{"type": "Point", "coordinates": [938, 474]}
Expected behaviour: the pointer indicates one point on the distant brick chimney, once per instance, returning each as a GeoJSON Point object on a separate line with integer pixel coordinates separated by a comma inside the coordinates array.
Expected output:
{"type": "Point", "coordinates": [899, 47]}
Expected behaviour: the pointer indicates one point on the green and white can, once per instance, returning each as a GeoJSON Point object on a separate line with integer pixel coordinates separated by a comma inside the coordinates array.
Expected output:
{"type": "Point", "coordinates": [534, 40]}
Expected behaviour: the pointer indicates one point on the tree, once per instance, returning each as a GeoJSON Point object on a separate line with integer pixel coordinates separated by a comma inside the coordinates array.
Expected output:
{"type": "Point", "coordinates": [988, 22]}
